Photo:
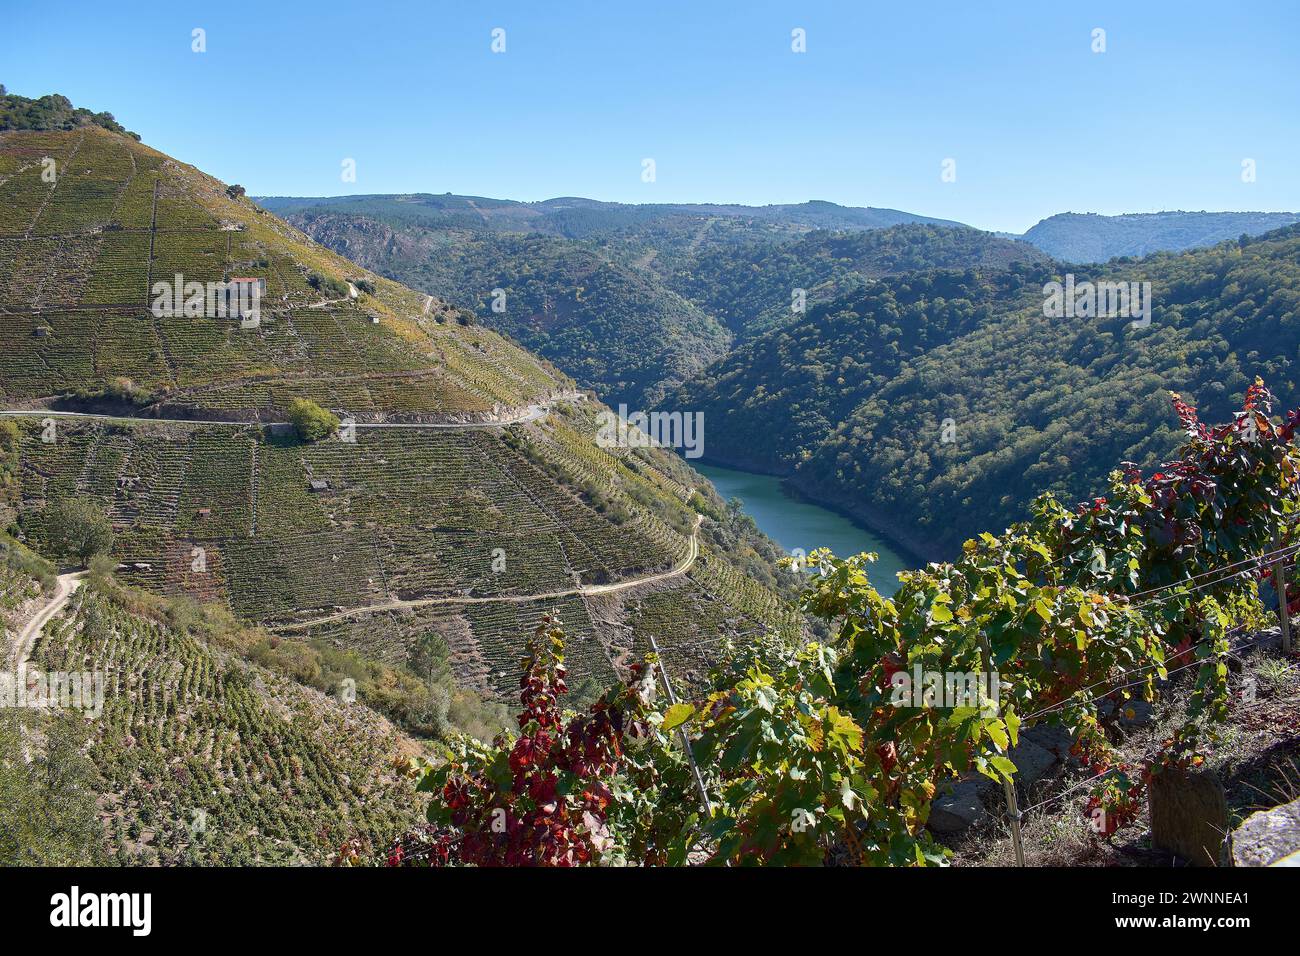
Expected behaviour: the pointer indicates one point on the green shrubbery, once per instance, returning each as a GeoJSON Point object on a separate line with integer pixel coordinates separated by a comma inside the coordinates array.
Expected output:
{"type": "Point", "coordinates": [77, 528]}
{"type": "Point", "coordinates": [22, 560]}
{"type": "Point", "coordinates": [312, 421]}
{"type": "Point", "coordinates": [52, 112]}
{"type": "Point", "coordinates": [9, 464]}
{"type": "Point", "coordinates": [329, 286]}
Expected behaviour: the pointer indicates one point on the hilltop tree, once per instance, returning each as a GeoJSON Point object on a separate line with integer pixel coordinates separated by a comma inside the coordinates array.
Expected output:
{"type": "Point", "coordinates": [77, 528]}
{"type": "Point", "coordinates": [52, 112]}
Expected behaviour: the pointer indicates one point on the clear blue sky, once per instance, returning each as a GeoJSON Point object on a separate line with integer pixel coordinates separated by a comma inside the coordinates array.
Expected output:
{"type": "Point", "coordinates": [1036, 121]}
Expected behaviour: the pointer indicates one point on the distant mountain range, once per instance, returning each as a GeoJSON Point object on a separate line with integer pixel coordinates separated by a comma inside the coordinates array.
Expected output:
{"type": "Point", "coordinates": [634, 300]}
{"type": "Point", "coordinates": [1087, 237]}
{"type": "Point", "coordinates": [1068, 236]}
{"type": "Point", "coordinates": [577, 218]}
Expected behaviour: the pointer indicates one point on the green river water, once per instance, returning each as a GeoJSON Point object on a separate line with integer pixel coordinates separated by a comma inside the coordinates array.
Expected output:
{"type": "Point", "coordinates": [795, 523]}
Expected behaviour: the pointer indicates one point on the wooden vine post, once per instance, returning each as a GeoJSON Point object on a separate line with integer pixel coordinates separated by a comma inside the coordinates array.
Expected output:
{"type": "Point", "coordinates": [1013, 811]}
{"type": "Point", "coordinates": [1008, 786]}
{"type": "Point", "coordinates": [1279, 585]}
{"type": "Point", "coordinates": [686, 741]}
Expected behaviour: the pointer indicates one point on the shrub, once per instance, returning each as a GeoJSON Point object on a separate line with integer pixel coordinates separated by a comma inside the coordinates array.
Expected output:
{"type": "Point", "coordinates": [328, 285]}
{"type": "Point", "coordinates": [124, 389]}
{"type": "Point", "coordinates": [312, 422]}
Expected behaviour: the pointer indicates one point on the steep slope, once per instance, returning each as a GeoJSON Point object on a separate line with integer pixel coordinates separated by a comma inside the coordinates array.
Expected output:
{"type": "Point", "coordinates": [616, 330]}
{"type": "Point", "coordinates": [1087, 237]}
{"type": "Point", "coordinates": [194, 756]}
{"type": "Point", "coordinates": [770, 403]}
{"type": "Point", "coordinates": [933, 437]}
{"type": "Point", "coordinates": [80, 255]}
{"type": "Point", "coordinates": [473, 482]}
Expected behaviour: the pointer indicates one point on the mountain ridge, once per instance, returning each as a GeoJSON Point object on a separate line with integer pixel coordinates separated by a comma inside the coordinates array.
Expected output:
{"type": "Point", "coordinates": [945, 413]}
{"type": "Point", "coordinates": [1089, 237]}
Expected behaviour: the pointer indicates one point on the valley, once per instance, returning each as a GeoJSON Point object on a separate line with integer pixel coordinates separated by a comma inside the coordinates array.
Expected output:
{"type": "Point", "coordinates": [911, 543]}
{"type": "Point", "coordinates": [461, 500]}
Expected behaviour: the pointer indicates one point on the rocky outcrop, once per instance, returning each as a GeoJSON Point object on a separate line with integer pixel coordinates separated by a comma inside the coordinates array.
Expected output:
{"type": "Point", "coordinates": [1269, 838]}
{"type": "Point", "coordinates": [1040, 751]}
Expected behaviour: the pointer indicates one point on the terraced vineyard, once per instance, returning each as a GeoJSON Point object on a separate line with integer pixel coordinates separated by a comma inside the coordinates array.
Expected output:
{"type": "Point", "coordinates": [453, 520]}
{"type": "Point", "coordinates": [204, 759]}
{"type": "Point", "coordinates": [466, 535]}
{"type": "Point", "coordinates": [92, 220]}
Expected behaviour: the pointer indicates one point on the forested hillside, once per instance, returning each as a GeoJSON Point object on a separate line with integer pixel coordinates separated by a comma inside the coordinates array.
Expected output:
{"type": "Point", "coordinates": [751, 288]}
{"type": "Point", "coordinates": [1088, 237]}
{"type": "Point", "coordinates": [771, 402]}
{"type": "Point", "coordinates": [615, 329]}
{"type": "Point", "coordinates": [852, 402]}
{"type": "Point", "coordinates": [633, 300]}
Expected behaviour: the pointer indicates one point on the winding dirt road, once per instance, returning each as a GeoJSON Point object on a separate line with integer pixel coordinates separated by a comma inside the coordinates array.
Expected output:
{"type": "Point", "coordinates": [66, 587]}
{"type": "Point", "coordinates": [531, 413]}
{"type": "Point", "coordinates": [693, 552]}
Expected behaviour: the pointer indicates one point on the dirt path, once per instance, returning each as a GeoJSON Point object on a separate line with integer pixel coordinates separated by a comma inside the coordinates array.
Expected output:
{"type": "Point", "coordinates": [32, 737]}
{"type": "Point", "coordinates": [692, 553]}
{"type": "Point", "coordinates": [324, 302]}
{"type": "Point", "coordinates": [531, 413]}
{"type": "Point", "coordinates": [66, 587]}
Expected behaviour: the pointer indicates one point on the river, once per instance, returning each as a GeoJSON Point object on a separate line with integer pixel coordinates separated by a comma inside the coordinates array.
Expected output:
{"type": "Point", "coordinates": [797, 523]}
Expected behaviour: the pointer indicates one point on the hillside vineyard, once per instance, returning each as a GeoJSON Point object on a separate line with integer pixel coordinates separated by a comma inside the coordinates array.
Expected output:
{"type": "Point", "coordinates": [480, 505]}
{"type": "Point", "coordinates": [322, 543]}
